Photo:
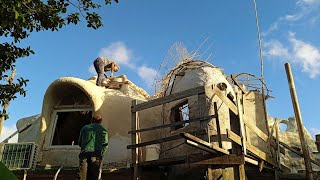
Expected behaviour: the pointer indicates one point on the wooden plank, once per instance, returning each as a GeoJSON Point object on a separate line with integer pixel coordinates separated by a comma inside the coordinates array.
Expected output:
{"type": "Point", "coordinates": [278, 148]}
{"type": "Point", "coordinates": [166, 99]}
{"type": "Point", "coordinates": [162, 140]}
{"type": "Point", "coordinates": [203, 143]}
{"type": "Point", "coordinates": [230, 159]}
{"type": "Point", "coordinates": [263, 136]}
{"type": "Point", "coordinates": [262, 155]}
{"type": "Point", "coordinates": [200, 146]}
{"type": "Point", "coordinates": [157, 141]}
{"type": "Point", "coordinates": [242, 172]}
{"type": "Point", "coordinates": [241, 121]}
{"type": "Point", "coordinates": [173, 124]}
{"type": "Point", "coordinates": [251, 161]}
{"type": "Point", "coordinates": [299, 123]}
{"type": "Point", "coordinates": [134, 140]}
{"type": "Point", "coordinates": [218, 125]}
{"type": "Point", "coordinates": [258, 131]}
{"type": "Point", "coordinates": [225, 99]}
{"type": "Point", "coordinates": [165, 161]}
{"type": "Point", "coordinates": [234, 137]}
{"type": "Point", "coordinates": [73, 107]}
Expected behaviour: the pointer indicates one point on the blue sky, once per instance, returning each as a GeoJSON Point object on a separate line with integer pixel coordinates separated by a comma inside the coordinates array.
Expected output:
{"type": "Point", "coordinates": [138, 34]}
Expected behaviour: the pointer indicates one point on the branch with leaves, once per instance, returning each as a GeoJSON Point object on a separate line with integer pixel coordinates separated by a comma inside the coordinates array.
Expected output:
{"type": "Point", "coordinates": [20, 18]}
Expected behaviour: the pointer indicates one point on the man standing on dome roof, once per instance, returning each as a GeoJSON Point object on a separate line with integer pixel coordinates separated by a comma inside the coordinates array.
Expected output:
{"type": "Point", "coordinates": [93, 141]}
{"type": "Point", "coordinates": [103, 65]}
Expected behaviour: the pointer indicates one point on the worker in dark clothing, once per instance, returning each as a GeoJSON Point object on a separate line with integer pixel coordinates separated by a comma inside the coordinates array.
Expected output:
{"type": "Point", "coordinates": [93, 141]}
{"type": "Point", "coordinates": [103, 65]}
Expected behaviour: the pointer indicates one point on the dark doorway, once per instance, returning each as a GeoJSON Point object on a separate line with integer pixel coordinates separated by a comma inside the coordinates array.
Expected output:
{"type": "Point", "coordinates": [68, 126]}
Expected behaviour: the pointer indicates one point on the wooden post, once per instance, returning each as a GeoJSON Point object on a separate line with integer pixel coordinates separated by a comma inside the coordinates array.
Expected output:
{"type": "Point", "coordinates": [298, 117]}
{"type": "Point", "coordinates": [218, 124]}
{"type": "Point", "coordinates": [240, 113]}
{"type": "Point", "coordinates": [6, 104]}
{"type": "Point", "coordinates": [238, 171]}
{"type": "Point", "coordinates": [134, 140]}
{"type": "Point", "coordinates": [278, 145]}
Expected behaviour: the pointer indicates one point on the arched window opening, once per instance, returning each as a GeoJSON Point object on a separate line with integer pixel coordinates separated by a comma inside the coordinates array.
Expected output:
{"type": "Point", "coordinates": [72, 111]}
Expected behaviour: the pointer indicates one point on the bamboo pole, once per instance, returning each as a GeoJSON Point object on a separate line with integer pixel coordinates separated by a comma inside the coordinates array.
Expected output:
{"type": "Point", "coordinates": [298, 117]}
{"type": "Point", "coordinates": [5, 106]}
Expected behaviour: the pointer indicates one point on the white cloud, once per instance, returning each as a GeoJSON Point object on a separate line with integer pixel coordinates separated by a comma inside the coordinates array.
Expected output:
{"type": "Point", "coordinates": [275, 48]}
{"type": "Point", "coordinates": [7, 131]}
{"type": "Point", "coordinates": [305, 13]}
{"type": "Point", "coordinates": [293, 17]}
{"type": "Point", "coordinates": [307, 2]}
{"type": "Point", "coordinates": [306, 55]}
{"type": "Point", "coordinates": [301, 53]}
{"type": "Point", "coordinates": [118, 52]}
{"type": "Point", "coordinates": [147, 74]}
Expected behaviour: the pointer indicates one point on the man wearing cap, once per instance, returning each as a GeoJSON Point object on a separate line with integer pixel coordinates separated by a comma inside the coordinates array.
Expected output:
{"type": "Point", "coordinates": [93, 141]}
{"type": "Point", "coordinates": [103, 65]}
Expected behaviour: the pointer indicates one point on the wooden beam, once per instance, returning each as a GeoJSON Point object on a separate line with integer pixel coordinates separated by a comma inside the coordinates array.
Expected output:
{"type": "Point", "coordinates": [162, 140]}
{"type": "Point", "coordinates": [230, 159]}
{"type": "Point", "coordinates": [200, 146]}
{"type": "Point", "coordinates": [219, 137]}
{"type": "Point", "coordinates": [234, 137]}
{"type": "Point", "coordinates": [241, 121]}
{"type": "Point", "coordinates": [299, 123]}
{"type": "Point", "coordinates": [242, 172]}
{"type": "Point", "coordinates": [225, 99]}
{"type": "Point", "coordinates": [166, 99]}
{"type": "Point", "coordinates": [73, 107]}
{"type": "Point", "coordinates": [257, 152]}
{"type": "Point", "coordinates": [165, 161]}
{"type": "Point", "coordinates": [173, 124]}
{"type": "Point", "coordinates": [134, 140]}
{"type": "Point", "coordinates": [203, 143]}
{"type": "Point", "coordinates": [251, 161]}
{"type": "Point", "coordinates": [258, 131]}
{"type": "Point", "coordinates": [262, 155]}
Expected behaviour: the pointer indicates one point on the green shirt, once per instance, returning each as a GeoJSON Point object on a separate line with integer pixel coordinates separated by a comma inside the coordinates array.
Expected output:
{"type": "Point", "coordinates": [93, 138]}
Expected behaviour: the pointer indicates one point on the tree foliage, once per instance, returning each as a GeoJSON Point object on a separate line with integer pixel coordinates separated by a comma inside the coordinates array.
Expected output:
{"type": "Point", "coordinates": [19, 18]}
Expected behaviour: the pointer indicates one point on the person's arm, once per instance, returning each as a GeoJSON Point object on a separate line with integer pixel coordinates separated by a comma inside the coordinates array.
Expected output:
{"type": "Point", "coordinates": [105, 142]}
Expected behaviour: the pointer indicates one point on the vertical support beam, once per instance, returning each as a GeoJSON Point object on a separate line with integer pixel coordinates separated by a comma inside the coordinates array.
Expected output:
{"type": "Point", "coordinates": [134, 140]}
{"type": "Point", "coordinates": [240, 113]}
{"type": "Point", "coordinates": [242, 173]}
{"type": "Point", "coordinates": [298, 117]}
{"type": "Point", "coordinates": [238, 171]}
{"type": "Point", "coordinates": [278, 145]}
{"type": "Point", "coordinates": [203, 111]}
{"type": "Point", "coordinates": [218, 124]}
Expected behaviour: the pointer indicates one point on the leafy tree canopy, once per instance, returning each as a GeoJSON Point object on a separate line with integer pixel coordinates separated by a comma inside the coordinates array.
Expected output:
{"type": "Point", "coordinates": [19, 18]}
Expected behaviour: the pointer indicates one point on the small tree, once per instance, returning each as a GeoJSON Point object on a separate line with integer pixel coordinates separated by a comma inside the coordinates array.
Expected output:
{"type": "Point", "coordinates": [19, 18]}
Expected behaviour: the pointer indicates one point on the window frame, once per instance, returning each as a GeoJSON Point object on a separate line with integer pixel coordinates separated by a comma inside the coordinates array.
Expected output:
{"type": "Point", "coordinates": [54, 119]}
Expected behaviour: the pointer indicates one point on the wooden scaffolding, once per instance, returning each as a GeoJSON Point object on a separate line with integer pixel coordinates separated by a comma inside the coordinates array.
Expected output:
{"type": "Point", "coordinates": [244, 157]}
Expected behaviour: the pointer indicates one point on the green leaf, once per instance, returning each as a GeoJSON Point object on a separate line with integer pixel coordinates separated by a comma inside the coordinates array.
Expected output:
{"type": "Point", "coordinates": [16, 14]}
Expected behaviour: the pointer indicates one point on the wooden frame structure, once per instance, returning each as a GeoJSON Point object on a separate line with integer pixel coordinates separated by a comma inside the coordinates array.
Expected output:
{"type": "Point", "coordinates": [242, 151]}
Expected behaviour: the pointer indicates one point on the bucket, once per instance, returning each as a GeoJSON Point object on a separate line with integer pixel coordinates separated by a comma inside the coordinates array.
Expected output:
{"type": "Point", "coordinates": [152, 152]}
